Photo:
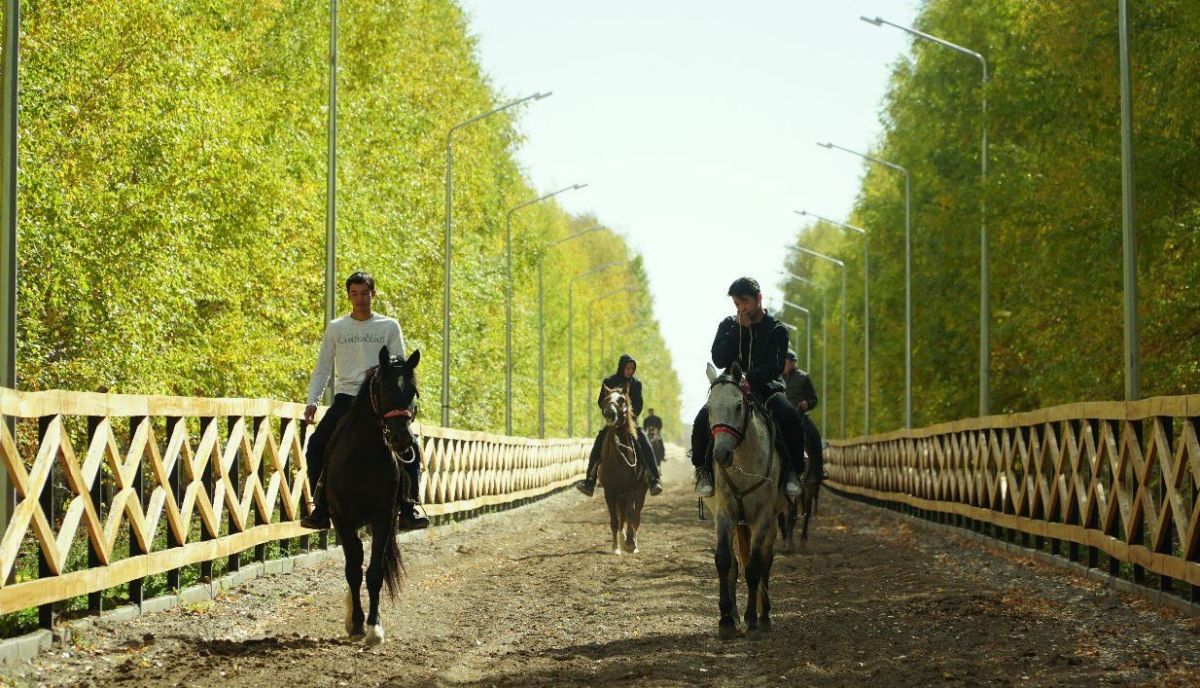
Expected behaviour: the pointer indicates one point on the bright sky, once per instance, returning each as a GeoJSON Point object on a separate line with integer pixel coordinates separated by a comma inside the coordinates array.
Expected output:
{"type": "Point", "coordinates": [695, 125]}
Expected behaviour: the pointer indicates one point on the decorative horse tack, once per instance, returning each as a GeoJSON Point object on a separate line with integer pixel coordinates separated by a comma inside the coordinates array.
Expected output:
{"type": "Point", "coordinates": [739, 435]}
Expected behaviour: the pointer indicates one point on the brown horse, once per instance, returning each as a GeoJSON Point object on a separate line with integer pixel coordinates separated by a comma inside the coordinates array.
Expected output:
{"type": "Point", "coordinates": [802, 508]}
{"type": "Point", "coordinates": [624, 478]}
{"type": "Point", "coordinates": [363, 480]}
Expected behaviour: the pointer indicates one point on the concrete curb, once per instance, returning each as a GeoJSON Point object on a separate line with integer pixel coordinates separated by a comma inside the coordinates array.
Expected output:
{"type": "Point", "coordinates": [1115, 582]}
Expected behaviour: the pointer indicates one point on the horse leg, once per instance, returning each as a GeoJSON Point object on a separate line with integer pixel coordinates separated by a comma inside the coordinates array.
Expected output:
{"type": "Point", "coordinates": [633, 521]}
{"type": "Point", "coordinates": [614, 519]}
{"type": "Point", "coordinates": [753, 559]}
{"type": "Point", "coordinates": [764, 609]}
{"type": "Point", "coordinates": [727, 579]}
{"type": "Point", "coordinates": [381, 529]}
{"type": "Point", "coordinates": [352, 549]}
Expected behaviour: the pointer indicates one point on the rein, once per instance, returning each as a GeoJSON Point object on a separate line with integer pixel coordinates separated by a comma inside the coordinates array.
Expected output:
{"type": "Point", "coordinates": [739, 435]}
{"type": "Point", "coordinates": [408, 413]}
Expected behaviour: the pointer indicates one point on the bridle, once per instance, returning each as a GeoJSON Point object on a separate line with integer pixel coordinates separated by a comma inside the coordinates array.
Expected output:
{"type": "Point", "coordinates": [739, 434]}
{"type": "Point", "coordinates": [408, 413]}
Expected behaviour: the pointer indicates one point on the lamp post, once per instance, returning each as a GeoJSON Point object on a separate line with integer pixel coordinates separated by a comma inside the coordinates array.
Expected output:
{"type": "Point", "coordinates": [907, 272]}
{"type": "Point", "coordinates": [984, 305]}
{"type": "Point", "coordinates": [1133, 374]}
{"type": "Point", "coordinates": [542, 330]}
{"type": "Point", "coordinates": [866, 313]}
{"type": "Point", "coordinates": [446, 252]}
{"type": "Point", "coordinates": [807, 331]}
{"type": "Point", "coordinates": [824, 345]}
{"type": "Point", "coordinates": [591, 303]}
{"type": "Point", "coordinates": [508, 323]}
{"type": "Point", "coordinates": [571, 340]}
{"type": "Point", "coordinates": [331, 173]}
{"type": "Point", "coordinates": [8, 232]}
{"type": "Point", "coordinates": [841, 265]}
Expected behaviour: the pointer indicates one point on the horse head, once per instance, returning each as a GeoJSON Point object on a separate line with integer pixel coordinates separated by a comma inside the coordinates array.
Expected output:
{"type": "Point", "coordinates": [616, 405]}
{"type": "Point", "coordinates": [394, 398]}
{"type": "Point", "coordinates": [728, 412]}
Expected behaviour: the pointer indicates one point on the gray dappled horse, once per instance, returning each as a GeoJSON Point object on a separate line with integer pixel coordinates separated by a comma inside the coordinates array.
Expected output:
{"type": "Point", "coordinates": [363, 483]}
{"type": "Point", "coordinates": [746, 500]}
{"type": "Point", "coordinates": [624, 478]}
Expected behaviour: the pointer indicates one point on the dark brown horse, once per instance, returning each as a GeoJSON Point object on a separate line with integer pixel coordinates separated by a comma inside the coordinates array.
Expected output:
{"type": "Point", "coordinates": [363, 480]}
{"type": "Point", "coordinates": [624, 478]}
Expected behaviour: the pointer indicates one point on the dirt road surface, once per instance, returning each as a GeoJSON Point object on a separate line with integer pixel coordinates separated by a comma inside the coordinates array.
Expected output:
{"type": "Point", "coordinates": [532, 597]}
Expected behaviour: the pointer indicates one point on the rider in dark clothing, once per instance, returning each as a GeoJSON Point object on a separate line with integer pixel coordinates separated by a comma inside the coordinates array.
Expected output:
{"type": "Point", "coordinates": [622, 378]}
{"type": "Point", "coordinates": [758, 343]}
{"type": "Point", "coordinates": [802, 395]}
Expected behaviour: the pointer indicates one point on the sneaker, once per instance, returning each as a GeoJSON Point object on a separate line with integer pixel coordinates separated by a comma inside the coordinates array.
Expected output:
{"type": "Point", "coordinates": [409, 519]}
{"type": "Point", "coordinates": [655, 487]}
{"type": "Point", "coordinates": [586, 486]}
{"type": "Point", "coordinates": [704, 483]}
{"type": "Point", "coordinates": [317, 518]}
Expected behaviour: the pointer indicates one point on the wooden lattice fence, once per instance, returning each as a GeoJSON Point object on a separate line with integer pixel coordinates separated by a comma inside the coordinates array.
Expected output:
{"type": "Point", "coordinates": [1103, 480]}
{"type": "Point", "coordinates": [148, 485]}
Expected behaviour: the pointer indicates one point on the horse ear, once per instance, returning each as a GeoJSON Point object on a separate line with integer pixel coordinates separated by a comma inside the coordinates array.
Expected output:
{"type": "Point", "coordinates": [735, 371]}
{"type": "Point", "coordinates": [607, 389]}
{"type": "Point", "coordinates": [384, 357]}
{"type": "Point", "coordinates": [413, 360]}
{"type": "Point", "coordinates": [712, 373]}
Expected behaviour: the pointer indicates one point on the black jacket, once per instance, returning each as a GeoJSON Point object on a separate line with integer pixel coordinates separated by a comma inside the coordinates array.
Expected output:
{"type": "Point", "coordinates": [619, 380]}
{"type": "Point", "coordinates": [800, 388]}
{"type": "Point", "coordinates": [758, 349]}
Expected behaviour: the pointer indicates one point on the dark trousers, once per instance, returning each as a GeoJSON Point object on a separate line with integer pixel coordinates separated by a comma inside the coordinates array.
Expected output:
{"type": "Point", "coordinates": [812, 443]}
{"type": "Point", "coordinates": [644, 449]}
{"type": "Point", "coordinates": [318, 444]}
{"type": "Point", "coordinates": [791, 424]}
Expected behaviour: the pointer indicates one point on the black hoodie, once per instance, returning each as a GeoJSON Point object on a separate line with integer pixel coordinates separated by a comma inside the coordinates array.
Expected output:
{"type": "Point", "coordinates": [759, 349]}
{"type": "Point", "coordinates": [619, 380]}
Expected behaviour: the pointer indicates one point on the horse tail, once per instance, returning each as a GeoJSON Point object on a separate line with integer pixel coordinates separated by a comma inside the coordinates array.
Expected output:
{"type": "Point", "coordinates": [393, 565]}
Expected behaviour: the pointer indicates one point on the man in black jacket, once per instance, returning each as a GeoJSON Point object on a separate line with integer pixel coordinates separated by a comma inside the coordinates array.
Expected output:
{"type": "Point", "coordinates": [622, 378]}
{"type": "Point", "coordinates": [802, 395]}
{"type": "Point", "coordinates": [758, 343]}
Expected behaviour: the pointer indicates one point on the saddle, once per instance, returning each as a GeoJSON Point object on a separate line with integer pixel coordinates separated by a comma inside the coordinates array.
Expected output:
{"type": "Point", "coordinates": [777, 436]}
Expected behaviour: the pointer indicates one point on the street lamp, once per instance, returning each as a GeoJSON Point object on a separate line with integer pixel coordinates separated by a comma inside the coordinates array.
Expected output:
{"type": "Point", "coordinates": [591, 303]}
{"type": "Point", "coordinates": [824, 345]}
{"type": "Point", "coordinates": [508, 300]}
{"type": "Point", "coordinates": [571, 340]}
{"type": "Point", "coordinates": [8, 232]}
{"type": "Point", "coordinates": [446, 250]}
{"type": "Point", "coordinates": [907, 272]}
{"type": "Point", "coordinates": [331, 174]}
{"type": "Point", "coordinates": [841, 265]}
{"type": "Point", "coordinates": [542, 328]}
{"type": "Point", "coordinates": [1133, 374]}
{"type": "Point", "coordinates": [866, 313]}
{"type": "Point", "coordinates": [807, 331]}
{"type": "Point", "coordinates": [984, 312]}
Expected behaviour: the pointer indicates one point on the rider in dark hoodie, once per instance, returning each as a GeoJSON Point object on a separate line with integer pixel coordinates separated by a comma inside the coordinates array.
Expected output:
{"type": "Point", "coordinates": [623, 378]}
{"type": "Point", "coordinates": [759, 344]}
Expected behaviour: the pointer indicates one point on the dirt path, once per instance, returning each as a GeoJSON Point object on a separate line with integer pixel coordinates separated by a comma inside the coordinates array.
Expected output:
{"type": "Point", "coordinates": [530, 597]}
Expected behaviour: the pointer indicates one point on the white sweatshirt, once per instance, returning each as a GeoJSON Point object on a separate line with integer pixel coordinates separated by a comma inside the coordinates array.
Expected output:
{"type": "Point", "coordinates": [350, 347]}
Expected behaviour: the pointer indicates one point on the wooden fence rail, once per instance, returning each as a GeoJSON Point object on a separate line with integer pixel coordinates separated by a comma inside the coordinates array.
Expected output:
{"type": "Point", "coordinates": [182, 481]}
{"type": "Point", "coordinates": [1118, 479]}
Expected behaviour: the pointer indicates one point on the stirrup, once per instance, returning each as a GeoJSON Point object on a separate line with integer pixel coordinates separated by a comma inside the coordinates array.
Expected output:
{"type": "Point", "coordinates": [586, 486]}
{"type": "Point", "coordinates": [655, 487]}
{"type": "Point", "coordinates": [409, 519]}
{"type": "Point", "coordinates": [317, 518]}
{"type": "Point", "coordinates": [704, 483]}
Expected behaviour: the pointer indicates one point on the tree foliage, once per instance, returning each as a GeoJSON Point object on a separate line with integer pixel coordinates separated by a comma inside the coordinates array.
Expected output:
{"type": "Point", "coordinates": [172, 206]}
{"type": "Point", "coordinates": [1053, 213]}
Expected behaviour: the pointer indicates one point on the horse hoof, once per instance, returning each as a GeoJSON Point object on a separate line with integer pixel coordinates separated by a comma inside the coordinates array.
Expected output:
{"type": "Point", "coordinates": [357, 634]}
{"type": "Point", "coordinates": [374, 635]}
{"type": "Point", "coordinates": [764, 625]}
{"type": "Point", "coordinates": [728, 632]}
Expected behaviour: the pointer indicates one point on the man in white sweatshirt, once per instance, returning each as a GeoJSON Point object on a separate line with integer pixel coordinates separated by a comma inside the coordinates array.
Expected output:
{"type": "Point", "coordinates": [349, 347]}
